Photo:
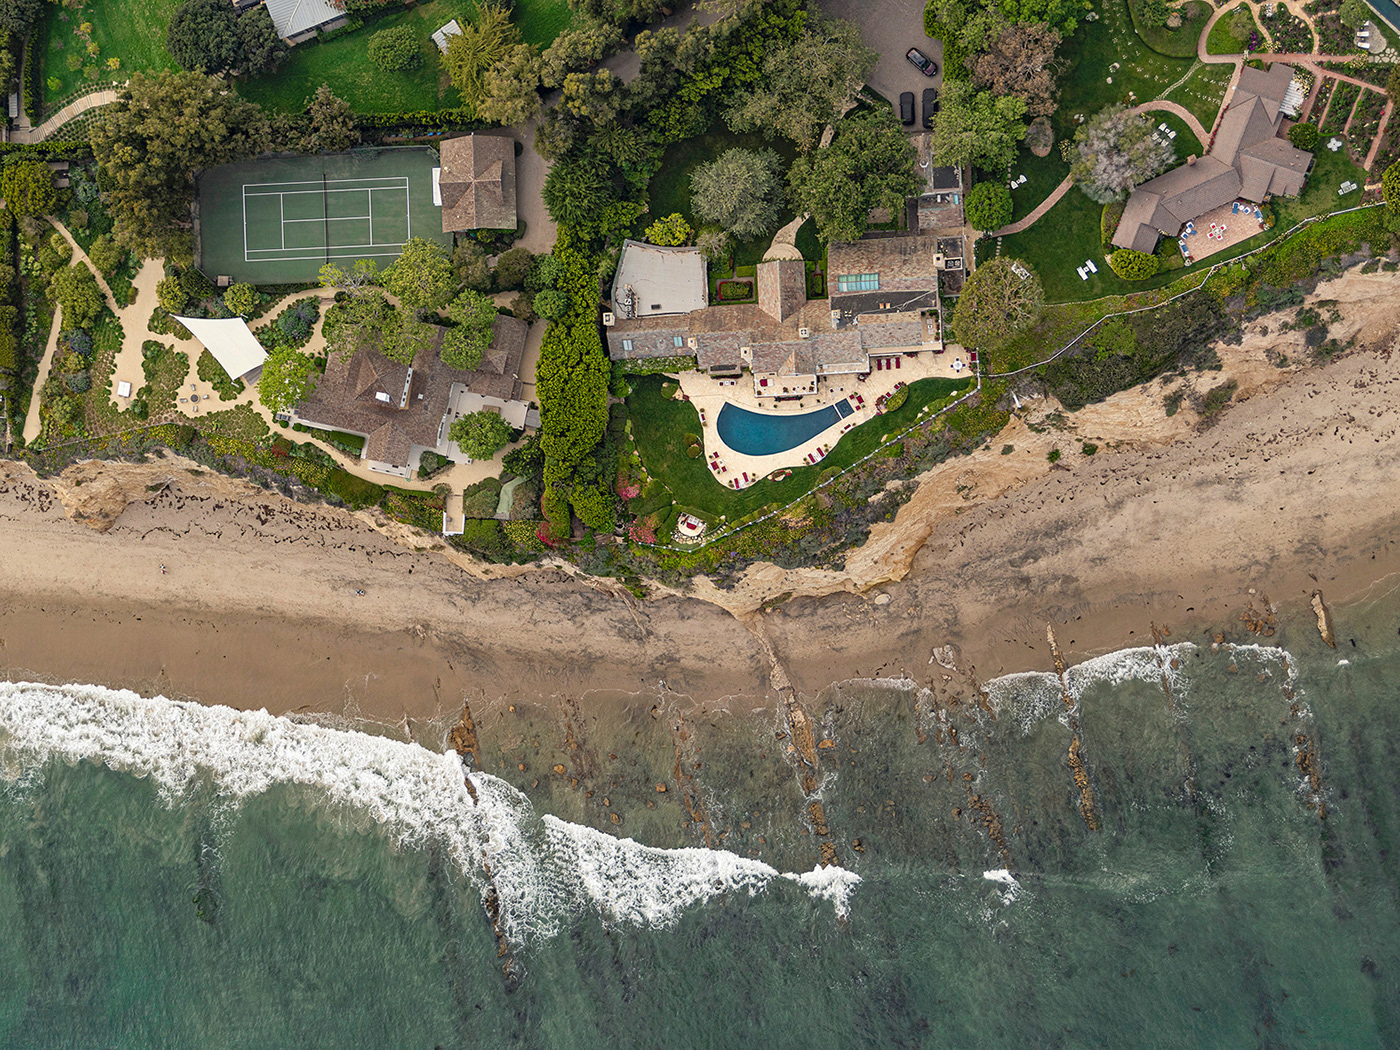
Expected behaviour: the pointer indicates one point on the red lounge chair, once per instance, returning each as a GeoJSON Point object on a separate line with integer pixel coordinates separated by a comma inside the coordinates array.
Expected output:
{"type": "Point", "coordinates": [897, 362]}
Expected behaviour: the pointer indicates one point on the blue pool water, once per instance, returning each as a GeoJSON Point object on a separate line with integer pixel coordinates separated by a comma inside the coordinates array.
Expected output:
{"type": "Point", "coordinates": [762, 434]}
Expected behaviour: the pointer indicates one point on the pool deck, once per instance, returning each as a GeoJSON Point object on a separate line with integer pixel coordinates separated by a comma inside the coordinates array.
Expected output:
{"type": "Point", "coordinates": [709, 397]}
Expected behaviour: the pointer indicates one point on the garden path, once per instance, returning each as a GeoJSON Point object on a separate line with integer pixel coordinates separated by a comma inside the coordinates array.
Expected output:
{"type": "Point", "coordinates": [76, 108]}
{"type": "Point", "coordinates": [1380, 134]}
{"type": "Point", "coordinates": [1160, 105]}
{"type": "Point", "coordinates": [530, 172]}
{"type": "Point", "coordinates": [784, 244]}
{"type": "Point", "coordinates": [32, 423]}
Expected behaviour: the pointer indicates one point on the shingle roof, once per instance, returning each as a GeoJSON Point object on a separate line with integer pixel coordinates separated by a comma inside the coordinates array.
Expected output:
{"type": "Point", "coordinates": [782, 287]}
{"type": "Point", "coordinates": [1246, 160]}
{"type": "Point", "coordinates": [478, 183]}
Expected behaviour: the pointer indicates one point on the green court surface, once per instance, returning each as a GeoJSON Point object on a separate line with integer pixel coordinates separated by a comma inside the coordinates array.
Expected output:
{"type": "Point", "coordinates": [279, 220]}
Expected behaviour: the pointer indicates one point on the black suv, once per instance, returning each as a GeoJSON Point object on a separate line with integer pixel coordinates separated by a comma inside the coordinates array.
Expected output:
{"type": "Point", "coordinates": [925, 65]}
{"type": "Point", "coordinates": [930, 106]}
{"type": "Point", "coordinates": [906, 107]}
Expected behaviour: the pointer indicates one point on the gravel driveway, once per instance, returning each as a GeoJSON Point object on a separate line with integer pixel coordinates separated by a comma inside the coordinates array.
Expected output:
{"type": "Point", "coordinates": [892, 27]}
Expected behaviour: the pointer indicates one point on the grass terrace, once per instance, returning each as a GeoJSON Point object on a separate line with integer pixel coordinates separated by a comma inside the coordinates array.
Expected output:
{"type": "Point", "coordinates": [660, 423]}
{"type": "Point", "coordinates": [1179, 42]}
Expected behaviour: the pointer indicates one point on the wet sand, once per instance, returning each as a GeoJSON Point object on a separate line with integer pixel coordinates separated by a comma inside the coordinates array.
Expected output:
{"type": "Point", "coordinates": [1295, 489]}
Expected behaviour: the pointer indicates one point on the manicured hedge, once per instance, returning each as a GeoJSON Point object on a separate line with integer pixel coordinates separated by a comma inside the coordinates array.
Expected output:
{"type": "Point", "coordinates": [1133, 265]}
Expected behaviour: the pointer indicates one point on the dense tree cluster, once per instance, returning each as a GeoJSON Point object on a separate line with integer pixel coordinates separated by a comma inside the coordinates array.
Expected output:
{"type": "Point", "coordinates": [394, 48]}
{"type": "Point", "coordinates": [740, 192]}
{"type": "Point", "coordinates": [212, 37]}
{"type": "Point", "coordinates": [978, 127]}
{"type": "Point", "coordinates": [869, 164]}
{"type": "Point", "coordinates": [287, 377]}
{"type": "Point", "coordinates": [988, 206]}
{"type": "Point", "coordinates": [480, 435]}
{"type": "Point", "coordinates": [150, 142]}
{"type": "Point", "coordinates": [27, 186]}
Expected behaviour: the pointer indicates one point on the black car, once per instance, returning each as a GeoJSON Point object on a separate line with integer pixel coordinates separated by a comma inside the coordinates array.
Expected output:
{"type": "Point", "coordinates": [930, 106]}
{"type": "Point", "coordinates": [906, 107]}
{"type": "Point", "coordinates": [927, 66]}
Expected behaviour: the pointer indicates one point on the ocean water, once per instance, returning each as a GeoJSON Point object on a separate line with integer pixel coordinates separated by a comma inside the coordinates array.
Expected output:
{"type": "Point", "coordinates": [1222, 873]}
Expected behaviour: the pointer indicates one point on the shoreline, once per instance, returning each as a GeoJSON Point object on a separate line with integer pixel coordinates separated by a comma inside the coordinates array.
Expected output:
{"type": "Point", "coordinates": [1296, 487]}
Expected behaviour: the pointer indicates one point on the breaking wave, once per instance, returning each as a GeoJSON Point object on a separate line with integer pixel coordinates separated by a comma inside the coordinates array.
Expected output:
{"type": "Point", "coordinates": [544, 870]}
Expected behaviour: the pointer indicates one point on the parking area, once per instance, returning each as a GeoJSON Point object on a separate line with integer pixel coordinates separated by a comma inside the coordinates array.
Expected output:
{"type": "Point", "coordinates": [892, 27]}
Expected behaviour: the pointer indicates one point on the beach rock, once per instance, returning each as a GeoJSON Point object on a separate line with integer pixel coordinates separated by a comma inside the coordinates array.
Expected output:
{"type": "Point", "coordinates": [1324, 619]}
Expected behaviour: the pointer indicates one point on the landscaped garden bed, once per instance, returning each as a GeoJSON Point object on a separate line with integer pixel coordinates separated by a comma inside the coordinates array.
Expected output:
{"type": "Point", "coordinates": [1291, 35]}
{"type": "Point", "coordinates": [1344, 96]}
{"type": "Point", "coordinates": [1365, 122]}
{"type": "Point", "coordinates": [735, 290]}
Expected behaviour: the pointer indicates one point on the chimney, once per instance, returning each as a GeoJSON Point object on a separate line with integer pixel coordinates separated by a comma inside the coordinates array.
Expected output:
{"type": "Point", "coordinates": [1191, 159]}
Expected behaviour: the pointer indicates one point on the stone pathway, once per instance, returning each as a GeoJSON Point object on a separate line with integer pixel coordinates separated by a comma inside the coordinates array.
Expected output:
{"type": "Point", "coordinates": [74, 109]}
{"type": "Point", "coordinates": [784, 244]}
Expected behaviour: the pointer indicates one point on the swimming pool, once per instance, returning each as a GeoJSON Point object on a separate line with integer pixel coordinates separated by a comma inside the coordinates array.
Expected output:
{"type": "Point", "coordinates": [762, 434]}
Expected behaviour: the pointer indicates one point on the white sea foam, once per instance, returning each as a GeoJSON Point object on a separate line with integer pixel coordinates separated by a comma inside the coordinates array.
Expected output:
{"type": "Point", "coordinates": [1003, 876]}
{"type": "Point", "coordinates": [544, 869]}
{"type": "Point", "coordinates": [1030, 697]}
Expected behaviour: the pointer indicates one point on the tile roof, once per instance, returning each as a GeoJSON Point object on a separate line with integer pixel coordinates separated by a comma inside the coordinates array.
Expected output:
{"type": "Point", "coordinates": [362, 392]}
{"type": "Point", "coordinates": [782, 287]}
{"type": "Point", "coordinates": [478, 183]}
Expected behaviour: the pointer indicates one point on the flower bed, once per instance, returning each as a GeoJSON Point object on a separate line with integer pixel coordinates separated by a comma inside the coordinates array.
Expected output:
{"type": "Point", "coordinates": [1324, 93]}
{"type": "Point", "coordinates": [1365, 123]}
{"type": "Point", "coordinates": [1343, 98]}
{"type": "Point", "coordinates": [1290, 34]}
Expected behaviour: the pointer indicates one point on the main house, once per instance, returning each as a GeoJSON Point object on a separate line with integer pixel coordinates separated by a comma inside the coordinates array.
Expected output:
{"type": "Point", "coordinates": [403, 410]}
{"type": "Point", "coordinates": [884, 303]}
{"type": "Point", "coordinates": [1248, 159]}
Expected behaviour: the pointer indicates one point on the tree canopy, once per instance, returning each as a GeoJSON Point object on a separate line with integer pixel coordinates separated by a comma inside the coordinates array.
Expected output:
{"type": "Point", "coordinates": [978, 128]}
{"type": "Point", "coordinates": [996, 303]}
{"type": "Point", "coordinates": [480, 435]}
{"type": "Point", "coordinates": [149, 143]}
{"type": "Point", "coordinates": [479, 46]}
{"type": "Point", "coordinates": [988, 206]}
{"type": "Point", "coordinates": [75, 289]}
{"type": "Point", "coordinates": [669, 230]}
{"type": "Point", "coordinates": [805, 85]}
{"type": "Point", "coordinates": [1018, 63]}
{"type": "Point", "coordinates": [421, 276]}
{"type": "Point", "coordinates": [16, 16]}
{"type": "Point", "coordinates": [741, 192]}
{"type": "Point", "coordinates": [463, 344]}
{"type": "Point", "coordinates": [1390, 187]}
{"type": "Point", "coordinates": [286, 379]}
{"type": "Point", "coordinates": [27, 186]}
{"type": "Point", "coordinates": [210, 36]}
{"type": "Point", "coordinates": [869, 164]}
{"type": "Point", "coordinates": [329, 123]}
{"type": "Point", "coordinates": [1115, 152]}
{"type": "Point", "coordinates": [241, 298]}
{"type": "Point", "coordinates": [510, 87]}
{"type": "Point", "coordinates": [1060, 15]}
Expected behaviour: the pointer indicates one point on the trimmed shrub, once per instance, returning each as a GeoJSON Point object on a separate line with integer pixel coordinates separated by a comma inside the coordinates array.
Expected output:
{"type": "Point", "coordinates": [394, 49]}
{"type": "Point", "coordinates": [1304, 136]}
{"type": "Point", "coordinates": [897, 399]}
{"type": "Point", "coordinates": [1133, 265]}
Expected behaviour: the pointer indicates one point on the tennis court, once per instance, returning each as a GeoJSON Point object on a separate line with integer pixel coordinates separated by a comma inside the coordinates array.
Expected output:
{"type": "Point", "coordinates": [280, 220]}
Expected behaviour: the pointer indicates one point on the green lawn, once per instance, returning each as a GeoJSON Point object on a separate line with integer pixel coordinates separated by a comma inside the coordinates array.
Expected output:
{"type": "Point", "coordinates": [1222, 39]}
{"type": "Point", "coordinates": [1042, 174]}
{"type": "Point", "coordinates": [1185, 142]}
{"type": "Point", "coordinates": [344, 64]}
{"type": "Point", "coordinates": [1319, 196]}
{"type": "Point", "coordinates": [1181, 42]}
{"type": "Point", "coordinates": [659, 424]}
{"type": "Point", "coordinates": [1203, 91]}
{"type": "Point", "coordinates": [670, 189]}
{"type": "Point", "coordinates": [541, 21]}
{"type": "Point", "coordinates": [131, 32]}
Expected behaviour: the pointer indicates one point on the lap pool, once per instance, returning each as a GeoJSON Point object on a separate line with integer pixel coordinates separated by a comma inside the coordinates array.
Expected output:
{"type": "Point", "coordinates": [762, 434]}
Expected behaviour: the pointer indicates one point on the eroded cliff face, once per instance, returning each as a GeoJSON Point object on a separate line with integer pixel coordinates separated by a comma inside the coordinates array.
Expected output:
{"type": "Point", "coordinates": [95, 493]}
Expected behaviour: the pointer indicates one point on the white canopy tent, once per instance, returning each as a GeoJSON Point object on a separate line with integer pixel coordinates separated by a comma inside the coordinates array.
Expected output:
{"type": "Point", "coordinates": [230, 341]}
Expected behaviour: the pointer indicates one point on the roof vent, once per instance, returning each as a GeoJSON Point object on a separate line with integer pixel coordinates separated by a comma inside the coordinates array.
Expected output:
{"type": "Point", "coordinates": [692, 342]}
{"type": "Point", "coordinates": [609, 319]}
{"type": "Point", "coordinates": [804, 333]}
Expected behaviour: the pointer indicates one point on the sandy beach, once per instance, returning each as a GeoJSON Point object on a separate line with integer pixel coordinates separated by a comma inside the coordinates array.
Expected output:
{"type": "Point", "coordinates": [1170, 524]}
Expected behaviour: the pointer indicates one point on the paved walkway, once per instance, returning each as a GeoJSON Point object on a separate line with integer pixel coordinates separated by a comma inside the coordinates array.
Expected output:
{"type": "Point", "coordinates": [74, 109]}
{"type": "Point", "coordinates": [32, 423]}
{"type": "Point", "coordinates": [784, 244]}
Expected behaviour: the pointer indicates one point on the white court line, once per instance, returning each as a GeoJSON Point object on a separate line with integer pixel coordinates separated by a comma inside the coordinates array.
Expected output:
{"type": "Point", "coordinates": [320, 253]}
{"type": "Point", "coordinates": [394, 181]}
{"type": "Point", "coordinates": [282, 214]}
{"type": "Point", "coordinates": [334, 218]}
